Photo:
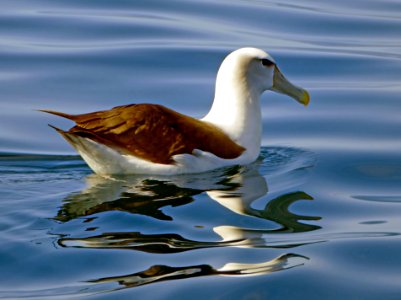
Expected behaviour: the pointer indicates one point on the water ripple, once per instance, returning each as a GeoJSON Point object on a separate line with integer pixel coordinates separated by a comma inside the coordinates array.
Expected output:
{"type": "Point", "coordinates": [327, 185]}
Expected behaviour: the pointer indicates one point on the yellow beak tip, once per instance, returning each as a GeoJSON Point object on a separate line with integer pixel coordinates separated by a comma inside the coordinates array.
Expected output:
{"type": "Point", "coordinates": [305, 98]}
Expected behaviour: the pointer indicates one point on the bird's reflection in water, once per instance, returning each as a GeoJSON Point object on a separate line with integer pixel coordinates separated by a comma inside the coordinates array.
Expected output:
{"type": "Point", "coordinates": [234, 188]}
{"type": "Point", "coordinates": [144, 195]}
{"type": "Point", "coordinates": [158, 273]}
{"type": "Point", "coordinates": [132, 194]}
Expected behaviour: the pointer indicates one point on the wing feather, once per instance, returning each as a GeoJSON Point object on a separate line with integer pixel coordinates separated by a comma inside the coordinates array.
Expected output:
{"type": "Point", "coordinates": [152, 132]}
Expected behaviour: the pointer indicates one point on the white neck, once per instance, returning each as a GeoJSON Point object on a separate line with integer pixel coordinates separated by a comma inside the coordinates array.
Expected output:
{"type": "Point", "coordinates": [236, 109]}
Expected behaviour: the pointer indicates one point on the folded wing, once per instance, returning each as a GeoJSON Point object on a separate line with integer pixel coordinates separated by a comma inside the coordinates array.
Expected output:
{"type": "Point", "coordinates": [152, 132]}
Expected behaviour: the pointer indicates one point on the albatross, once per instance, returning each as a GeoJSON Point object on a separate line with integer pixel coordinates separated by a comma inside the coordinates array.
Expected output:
{"type": "Point", "coordinates": [153, 139]}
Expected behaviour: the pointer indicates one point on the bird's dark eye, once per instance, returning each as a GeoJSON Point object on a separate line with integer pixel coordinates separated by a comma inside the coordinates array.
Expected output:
{"type": "Point", "coordinates": [267, 63]}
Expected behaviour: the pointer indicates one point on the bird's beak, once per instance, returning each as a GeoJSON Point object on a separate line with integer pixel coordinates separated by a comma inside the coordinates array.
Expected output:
{"type": "Point", "coordinates": [283, 86]}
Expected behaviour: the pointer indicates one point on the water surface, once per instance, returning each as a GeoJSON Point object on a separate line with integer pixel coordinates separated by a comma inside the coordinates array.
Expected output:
{"type": "Point", "coordinates": [316, 217]}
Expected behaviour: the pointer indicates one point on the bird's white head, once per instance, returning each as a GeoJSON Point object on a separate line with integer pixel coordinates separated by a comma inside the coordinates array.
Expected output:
{"type": "Point", "coordinates": [255, 71]}
{"type": "Point", "coordinates": [242, 77]}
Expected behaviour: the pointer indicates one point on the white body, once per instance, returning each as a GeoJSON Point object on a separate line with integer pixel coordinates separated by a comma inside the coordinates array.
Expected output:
{"type": "Point", "coordinates": [104, 160]}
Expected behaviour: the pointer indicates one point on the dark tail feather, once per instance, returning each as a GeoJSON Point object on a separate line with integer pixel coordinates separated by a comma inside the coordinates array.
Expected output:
{"type": "Point", "coordinates": [57, 113]}
{"type": "Point", "coordinates": [65, 134]}
{"type": "Point", "coordinates": [57, 129]}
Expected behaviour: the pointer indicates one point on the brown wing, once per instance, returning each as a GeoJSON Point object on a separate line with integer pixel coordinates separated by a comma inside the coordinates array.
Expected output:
{"type": "Point", "coordinates": [152, 132]}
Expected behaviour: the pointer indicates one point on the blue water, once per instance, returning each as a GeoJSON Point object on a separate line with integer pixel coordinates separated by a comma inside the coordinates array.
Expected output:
{"type": "Point", "coordinates": [316, 217]}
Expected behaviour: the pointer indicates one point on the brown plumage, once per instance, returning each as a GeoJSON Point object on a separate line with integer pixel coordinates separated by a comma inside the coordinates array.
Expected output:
{"type": "Point", "coordinates": [151, 132]}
